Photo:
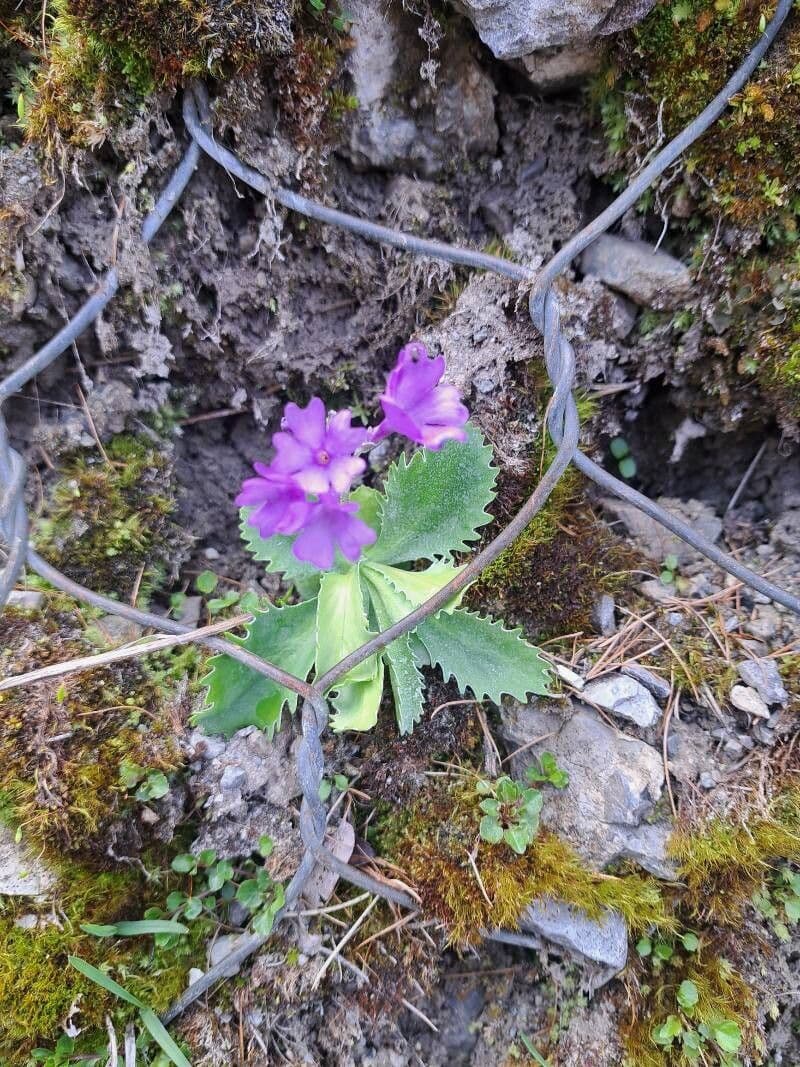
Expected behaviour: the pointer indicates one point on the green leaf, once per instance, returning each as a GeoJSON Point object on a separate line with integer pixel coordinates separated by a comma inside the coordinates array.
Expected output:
{"type": "Point", "coordinates": [690, 941]}
{"type": "Point", "coordinates": [664, 950]}
{"type": "Point", "coordinates": [490, 806]}
{"type": "Point", "coordinates": [644, 946]}
{"type": "Point", "coordinates": [619, 448]}
{"type": "Point", "coordinates": [265, 845]}
{"type": "Point", "coordinates": [206, 582]}
{"type": "Point", "coordinates": [687, 995]}
{"type": "Point", "coordinates": [193, 908]}
{"type": "Point", "coordinates": [792, 909]}
{"type": "Point", "coordinates": [357, 704]}
{"type": "Point", "coordinates": [691, 1045]}
{"type": "Point", "coordinates": [239, 696]}
{"type": "Point", "coordinates": [98, 930]}
{"type": "Point", "coordinates": [276, 552]}
{"type": "Point", "coordinates": [102, 979]}
{"type": "Point", "coordinates": [159, 1034]}
{"type": "Point", "coordinates": [154, 787]}
{"type": "Point", "coordinates": [491, 830]}
{"type": "Point", "coordinates": [342, 626]}
{"type": "Point", "coordinates": [517, 838]}
{"type": "Point", "coordinates": [668, 1031]}
{"type": "Point", "coordinates": [435, 503]}
{"type": "Point", "coordinates": [483, 656]}
{"type": "Point", "coordinates": [185, 863]}
{"type": "Point", "coordinates": [415, 587]}
{"type": "Point", "coordinates": [389, 605]}
{"type": "Point", "coordinates": [369, 506]}
{"type": "Point", "coordinates": [627, 467]}
{"type": "Point", "coordinates": [249, 894]}
{"type": "Point", "coordinates": [727, 1035]}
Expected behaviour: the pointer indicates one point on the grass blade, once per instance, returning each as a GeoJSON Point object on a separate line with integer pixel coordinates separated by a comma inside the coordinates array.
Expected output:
{"type": "Point", "coordinates": [110, 986]}
{"type": "Point", "coordinates": [159, 1034]}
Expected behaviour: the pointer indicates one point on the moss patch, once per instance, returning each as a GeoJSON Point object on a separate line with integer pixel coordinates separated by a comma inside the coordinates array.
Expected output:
{"type": "Point", "coordinates": [432, 839]}
{"type": "Point", "coordinates": [99, 59]}
{"type": "Point", "coordinates": [39, 989]}
{"type": "Point", "coordinates": [676, 60]}
{"type": "Point", "coordinates": [64, 743]}
{"type": "Point", "coordinates": [108, 524]}
{"type": "Point", "coordinates": [723, 862]}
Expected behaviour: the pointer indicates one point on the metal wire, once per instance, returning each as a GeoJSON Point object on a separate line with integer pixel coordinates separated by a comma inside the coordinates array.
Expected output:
{"type": "Point", "coordinates": [562, 423]}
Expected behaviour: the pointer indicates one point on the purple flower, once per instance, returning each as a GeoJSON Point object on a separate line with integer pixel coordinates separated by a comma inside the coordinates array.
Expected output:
{"type": "Point", "coordinates": [317, 451]}
{"type": "Point", "coordinates": [279, 504]}
{"type": "Point", "coordinates": [332, 524]}
{"type": "Point", "coordinates": [416, 405]}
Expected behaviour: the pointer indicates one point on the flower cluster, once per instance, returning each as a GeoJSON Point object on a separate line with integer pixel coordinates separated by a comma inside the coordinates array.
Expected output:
{"type": "Point", "coordinates": [303, 491]}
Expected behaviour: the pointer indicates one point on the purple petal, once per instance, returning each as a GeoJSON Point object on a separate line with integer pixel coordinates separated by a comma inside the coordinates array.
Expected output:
{"type": "Point", "coordinates": [343, 470]}
{"type": "Point", "coordinates": [399, 421]}
{"type": "Point", "coordinates": [254, 491]}
{"type": "Point", "coordinates": [307, 424]}
{"type": "Point", "coordinates": [353, 534]}
{"type": "Point", "coordinates": [316, 545]}
{"type": "Point", "coordinates": [313, 479]}
{"type": "Point", "coordinates": [341, 438]}
{"type": "Point", "coordinates": [290, 454]}
{"type": "Point", "coordinates": [436, 436]}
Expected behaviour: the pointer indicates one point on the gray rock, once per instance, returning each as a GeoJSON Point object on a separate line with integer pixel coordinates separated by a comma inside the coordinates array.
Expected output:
{"type": "Point", "coordinates": [236, 835]}
{"type": "Point", "coordinates": [221, 947]}
{"type": "Point", "coordinates": [603, 941]}
{"type": "Point", "coordinates": [22, 874]}
{"type": "Point", "coordinates": [513, 28]}
{"type": "Point", "coordinates": [119, 631]}
{"type": "Point", "coordinates": [765, 624]}
{"type": "Point", "coordinates": [651, 279]}
{"type": "Point", "coordinates": [603, 618]}
{"type": "Point", "coordinates": [763, 676]}
{"type": "Point", "coordinates": [624, 697]}
{"type": "Point", "coordinates": [614, 784]}
{"type": "Point", "coordinates": [785, 536]}
{"type": "Point", "coordinates": [422, 134]}
{"type": "Point", "coordinates": [659, 687]}
{"type": "Point", "coordinates": [552, 70]}
{"type": "Point", "coordinates": [26, 599]}
{"type": "Point", "coordinates": [656, 540]}
{"type": "Point", "coordinates": [747, 700]}
{"type": "Point", "coordinates": [658, 591]}
{"type": "Point", "coordinates": [250, 763]}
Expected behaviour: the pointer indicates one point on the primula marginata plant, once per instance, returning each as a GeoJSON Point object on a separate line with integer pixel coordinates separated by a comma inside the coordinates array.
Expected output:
{"type": "Point", "coordinates": [362, 559]}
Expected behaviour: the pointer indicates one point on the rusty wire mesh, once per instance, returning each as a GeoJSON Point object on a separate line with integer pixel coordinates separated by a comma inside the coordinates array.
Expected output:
{"type": "Point", "coordinates": [562, 423]}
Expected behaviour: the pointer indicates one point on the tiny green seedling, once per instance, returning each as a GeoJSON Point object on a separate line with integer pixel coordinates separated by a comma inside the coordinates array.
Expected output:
{"type": "Point", "coordinates": [548, 771]}
{"type": "Point", "coordinates": [621, 451]}
{"type": "Point", "coordinates": [668, 569]}
{"type": "Point", "coordinates": [510, 813]}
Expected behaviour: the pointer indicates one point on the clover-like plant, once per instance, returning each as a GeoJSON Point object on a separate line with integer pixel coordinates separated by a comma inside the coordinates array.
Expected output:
{"type": "Point", "coordinates": [362, 559]}
{"type": "Point", "coordinates": [510, 813]}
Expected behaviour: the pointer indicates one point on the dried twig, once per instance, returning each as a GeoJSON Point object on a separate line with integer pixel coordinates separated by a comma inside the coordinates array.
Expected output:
{"type": "Point", "coordinates": [347, 937]}
{"type": "Point", "coordinates": [114, 655]}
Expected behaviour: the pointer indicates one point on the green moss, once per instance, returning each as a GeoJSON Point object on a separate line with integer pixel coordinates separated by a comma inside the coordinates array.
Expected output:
{"type": "Point", "coordinates": [722, 994]}
{"type": "Point", "coordinates": [432, 838]}
{"type": "Point", "coordinates": [64, 742]}
{"type": "Point", "coordinates": [671, 65]}
{"type": "Point", "coordinates": [39, 989]}
{"type": "Point", "coordinates": [101, 59]}
{"type": "Point", "coordinates": [723, 862]}
{"type": "Point", "coordinates": [107, 523]}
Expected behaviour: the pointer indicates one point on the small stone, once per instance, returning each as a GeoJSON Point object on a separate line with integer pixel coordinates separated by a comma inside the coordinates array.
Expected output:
{"type": "Point", "coordinates": [205, 746]}
{"type": "Point", "coordinates": [211, 553]}
{"type": "Point", "coordinates": [746, 699]}
{"type": "Point", "coordinates": [732, 747]}
{"type": "Point", "coordinates": [22, 874]}
{"type": "Point", "coordinates": [659, 687]}
{"type": "Point", "coordinates": [765, 623]}
{"type": "Point", "coordinates": [658, 542]}
{"type": "Point", "coordinates": [119, 631]}
{"type": "Point", "coordinates": [603, 618]}
{"type": "Point", "coordinates": [675, 618]}
{"type": "Point", "coordinates": [195, 974]}
{"type": "Point", "coordinates": [707, 780]}
{"type": "Point", "coordinates": [190, 609]}
{"type": "Point", "coordinates": [603, 941]}
{"type": "Point", "coordinates": [26, 599]}
{"type": "Point", "coordinates": [658, 591]}
{"type": "Point", "coordinates": [763, 676]}
{"type": "Point", "coordinates": [553, 70]}
{"type": "Point", "coordinates": [233, 780]}
{"type": "Point", "coordinates": [570, 678]}
{"type": "Point", "coordinates": [625, 697]}
{"type": "Point", "coordinates": [650, 278]}
{"type": "Point", "coordinates": [221, 948]}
